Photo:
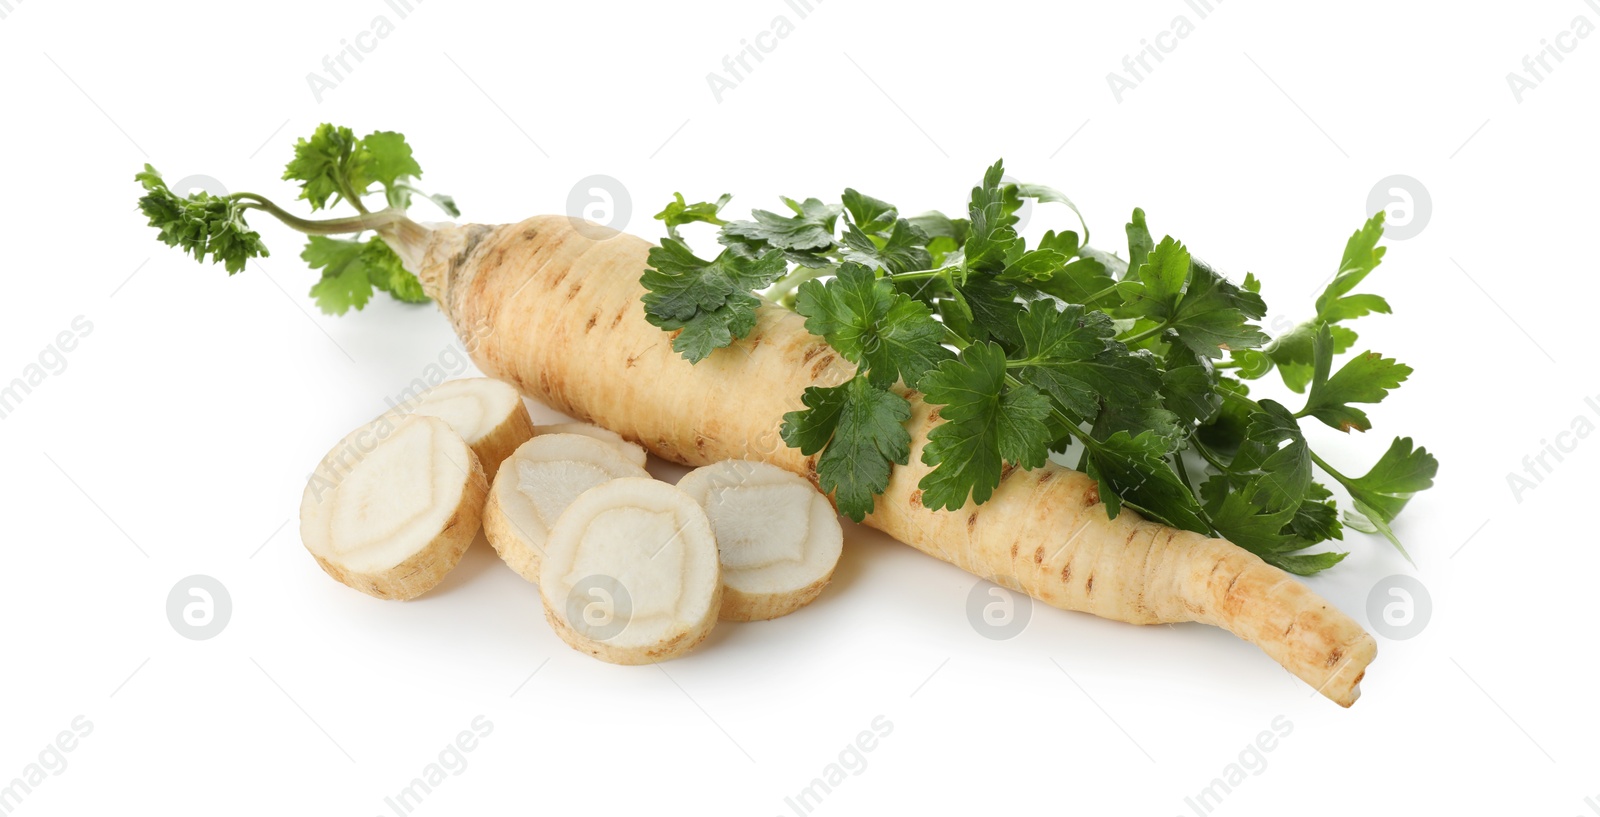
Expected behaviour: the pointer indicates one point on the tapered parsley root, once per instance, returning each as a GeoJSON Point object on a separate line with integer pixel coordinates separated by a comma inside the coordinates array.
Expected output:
{"type": "Point", "coordinates": [632, 451]}
{"type": "Point", "coordinates": [630, 573]}
{"type": "Point", "coordinates": [778, 537]}
{"type": "Point", "coordinates": [391, 508]}
{"type": "Point", "coordinates": [541, 288]}
{"type": "Point", "coordinates": [488, 414]}
{"type": "Point", "coordinates": [536, 484]}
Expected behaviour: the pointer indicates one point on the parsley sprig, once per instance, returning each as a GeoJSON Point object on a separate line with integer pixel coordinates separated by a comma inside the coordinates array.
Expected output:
{"type": "Point", "coordinates": [1135, 367]}
{"type": "Point", "coordinates": [332, 167]}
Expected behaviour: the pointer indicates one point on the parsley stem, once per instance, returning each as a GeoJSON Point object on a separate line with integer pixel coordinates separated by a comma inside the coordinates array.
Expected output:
{"type": "Point", "coordinates": [917, 275]}
{"type": "Point", "coordinates": [793, 280]}
{"type": "Point", "coordinates": [1323, 464]}
{"type": "Point", "coordinates": [1145, 335]}
{"type": "Point", "coordinates": [1098, 295]}
{"type": "Point", "coordinates": [332, 226]}
{"type": "Point", "coordinates": [1183, 470]}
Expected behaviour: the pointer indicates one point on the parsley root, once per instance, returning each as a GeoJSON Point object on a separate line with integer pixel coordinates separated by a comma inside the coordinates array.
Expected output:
{"type": "Point", "coordinates": [488, 414]}
{"type": "Point", "coordinates": [393, 506]}
{"type": "Point", "coordinates": [778, 538]}
{"type": "Point", "coordinates": [631, 451]}
{"type": "Point", "coordinates": [630, 573]}
{"type": "Point", "coordinates": [541, 288]}
{"type": "Point", "coordinates": [537, 484]}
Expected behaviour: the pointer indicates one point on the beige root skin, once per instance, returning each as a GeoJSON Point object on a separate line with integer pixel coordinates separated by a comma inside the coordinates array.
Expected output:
{"type": "Point", "coordinates": [533, 294]}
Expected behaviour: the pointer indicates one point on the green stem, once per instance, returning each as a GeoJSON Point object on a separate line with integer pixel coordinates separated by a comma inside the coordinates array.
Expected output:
{"type": "Point", "coordinates": [1098, 295]}
{"type": "Point", "coordinates": [793, 280]}
{"type": "Point", "coordinates": [1227, 364]}
{"type": "Point", "coordinates": [332, 226]}
{"type": "Point", "coordinates": [1323, 464]}
{"type": "Point", "coordinates": [1183, 470]}
{"type": "Point", "coordinates": [1145, 335]}
{"type": "Point", "coordinates": [917, 275]}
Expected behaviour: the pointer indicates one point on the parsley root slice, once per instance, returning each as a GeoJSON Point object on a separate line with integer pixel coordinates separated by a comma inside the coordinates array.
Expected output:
{"type": "Point", "coordinates": [630, 573]}
{"type": "Point", "coordinates": [488, 414]}
{"type": "Point", "coordinates": [631, 451]}
{"type": "Point", "coordinates": [391, 508]}
{"type": "Point", "coordinates": [538, 292]}
{"type": "Point", "coordinates": [538, 482]}
{"type": "Point", "coordinates": [778, 537]}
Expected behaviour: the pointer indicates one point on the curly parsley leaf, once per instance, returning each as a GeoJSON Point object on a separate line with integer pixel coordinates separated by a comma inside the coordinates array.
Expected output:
{"type": "Point", "coordinates": [892, 335]}
{"type": "Point", "coordinates": [987, 422]}
{"type": "Point", "coordinates": [860, 430]}
{"type": "Point", "coordinates": [202, 225]}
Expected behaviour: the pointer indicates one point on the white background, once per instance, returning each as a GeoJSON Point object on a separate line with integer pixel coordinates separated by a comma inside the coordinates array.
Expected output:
{"type": "Point", "coordinates": [177, 438]}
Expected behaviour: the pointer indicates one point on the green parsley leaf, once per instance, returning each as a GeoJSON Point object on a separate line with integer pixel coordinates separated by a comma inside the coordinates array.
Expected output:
{"type": "Point", "coordinates": [872, 216]}
{"type": "Point", "coordinates": [1365, 378]}
{"type": "Point", "coordinates": [987, 422]}
{"type": "Point", "coordinates": [351, 269]}
{"type": "Point", "coordinates": [810, 228]}
{"type": "Point", "coordinates": [1383, 492]}
{"type": "Point", "coordinates": [709, 300]}
{"type": "Point", "coordinates": [861, 316]}
{"type": "Point", "coordinates": [904, 250]}
{"type": "Point", "coordinates": [202, 225]}
{"type": "Point", "coordinates": [1134, 469]}
{"type": "Point", "coordinates": [679, 212]}
{"type": "Point", "coordinates": [1070, 354]}
{"type": "Point", "coordinates": [991, 208]}
{"type": "Point", "coordinates": [860, 430]}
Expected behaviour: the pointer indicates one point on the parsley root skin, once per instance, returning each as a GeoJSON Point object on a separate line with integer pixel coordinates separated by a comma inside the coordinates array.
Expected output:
{"type": "Point", "coordinates": [557, 313]}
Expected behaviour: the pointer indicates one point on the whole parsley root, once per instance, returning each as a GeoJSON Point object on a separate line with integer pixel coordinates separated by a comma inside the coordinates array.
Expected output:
{"type": "Point", "coordinates": [921, 371]}
{"type": "Point", "coordinates": [542, 290]}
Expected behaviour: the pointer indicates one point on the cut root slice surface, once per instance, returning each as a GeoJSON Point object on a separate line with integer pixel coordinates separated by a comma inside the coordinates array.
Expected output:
{"type": "Point", "coordinates": [391, 509]}
{"type": "Point", "coordinates": [536, 484]}
{"type": "Point", "coordinates": [632, 451]}
{"type": "Point", "coordinates": [487, 413]}
{"type": "Point", "coordinates": [630, 572]}
{"type": "Point", "coordinates": [778, 537]}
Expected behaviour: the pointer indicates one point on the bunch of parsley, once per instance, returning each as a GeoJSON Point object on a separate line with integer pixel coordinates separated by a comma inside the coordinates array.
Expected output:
{"type": "Point", "coordinates": [1138, 367]}
{"type": "Point", "coordinates": [333, 166]}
